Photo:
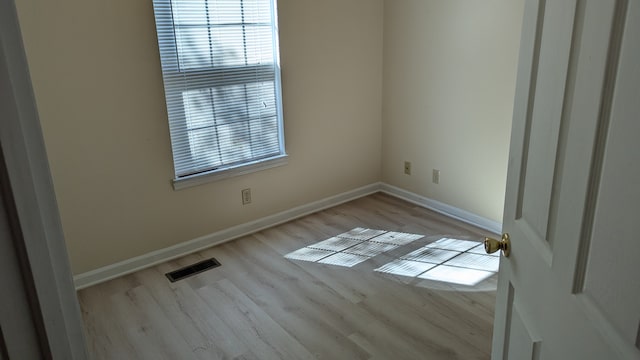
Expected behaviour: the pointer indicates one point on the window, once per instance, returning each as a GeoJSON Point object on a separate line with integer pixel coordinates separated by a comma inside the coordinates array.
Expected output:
{"type": "Point", "coordinates": [222, 85]}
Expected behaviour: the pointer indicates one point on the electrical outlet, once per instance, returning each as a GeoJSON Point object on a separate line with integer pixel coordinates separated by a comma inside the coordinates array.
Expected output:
{"type": "Point", "coordinates": [407, 167]}
{"type": "Point", "coordinates": [436, 176]}
{"type": "Point", "coordinates": [246, 196]}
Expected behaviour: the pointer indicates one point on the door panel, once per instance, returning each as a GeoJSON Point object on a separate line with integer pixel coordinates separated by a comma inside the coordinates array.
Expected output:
{"type": "Point", "coordinates": [541, 138]}
{"type": "Point", "coordinates": [567, 291]}
{"type": "Point", "coordinates": [523, 345]}
{"type": "Point", "coordinates": [614, 238]}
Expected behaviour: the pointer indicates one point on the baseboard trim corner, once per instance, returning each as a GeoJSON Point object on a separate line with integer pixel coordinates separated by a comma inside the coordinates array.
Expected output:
{"type": "Point", "coordinates": [442, 208]}
{"type": "Point", "coordinates": [137, 263]}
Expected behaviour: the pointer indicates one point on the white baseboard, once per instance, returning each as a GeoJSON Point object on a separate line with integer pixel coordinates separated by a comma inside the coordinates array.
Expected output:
{"type": "Point", "coordinates": [442, 208]}
{"type": "Point", "coordinates": [159, 256]}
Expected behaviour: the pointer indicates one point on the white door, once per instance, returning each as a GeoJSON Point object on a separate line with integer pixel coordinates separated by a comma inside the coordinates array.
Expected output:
{"type": "Point", "coordinates": [571, 287]}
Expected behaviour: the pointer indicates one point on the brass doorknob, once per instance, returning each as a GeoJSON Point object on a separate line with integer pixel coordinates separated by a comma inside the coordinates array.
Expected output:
{"type": "Point", "coordinates": [493, 245]}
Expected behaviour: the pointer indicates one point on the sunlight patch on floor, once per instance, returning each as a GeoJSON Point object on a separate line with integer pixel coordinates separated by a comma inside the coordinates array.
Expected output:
{"type": "Point", "coordinates": [353, 247]}
{"type": "Point", "coordinates": [446, 260]}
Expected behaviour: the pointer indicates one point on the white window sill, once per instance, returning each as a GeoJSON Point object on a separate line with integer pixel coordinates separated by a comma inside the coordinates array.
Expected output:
{"type": "Point", "coordinates": [216, 175]}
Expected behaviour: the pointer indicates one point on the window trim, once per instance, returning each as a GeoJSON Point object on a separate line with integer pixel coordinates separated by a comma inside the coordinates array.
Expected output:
{"type": "Point", "coordinates": [184, 182]}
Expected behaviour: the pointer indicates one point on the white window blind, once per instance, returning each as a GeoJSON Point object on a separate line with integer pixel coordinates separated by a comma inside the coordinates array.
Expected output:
{"type": "Point", "coordinates": [222, 83]}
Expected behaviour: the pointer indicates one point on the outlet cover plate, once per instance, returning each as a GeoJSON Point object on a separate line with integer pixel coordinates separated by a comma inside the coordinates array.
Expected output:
{"type": "Point", "coordinates": [246, 196]}
{"type": "Point", "coordinates": [407, 167]}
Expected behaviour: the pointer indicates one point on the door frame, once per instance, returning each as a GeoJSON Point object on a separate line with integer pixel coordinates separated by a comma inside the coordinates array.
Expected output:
{"type": "Point", "coordinates": [30, 187]}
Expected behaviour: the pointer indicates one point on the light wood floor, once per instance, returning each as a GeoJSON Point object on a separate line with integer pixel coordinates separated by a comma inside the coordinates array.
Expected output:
{"type": "Point", "coordinates": [259, 305]}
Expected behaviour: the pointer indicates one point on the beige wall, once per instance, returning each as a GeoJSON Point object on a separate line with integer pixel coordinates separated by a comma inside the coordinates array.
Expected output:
{"type": "Point", "coordinates": [449, 81]}
{"type": "Point", "coordinates": [98, 86]}
{"type": "Point", "coordinates": [449, 75]}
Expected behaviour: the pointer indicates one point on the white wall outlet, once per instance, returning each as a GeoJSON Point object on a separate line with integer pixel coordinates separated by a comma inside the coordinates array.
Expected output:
{"type": "Point", "coordinates": [407, 167]}
{"type": "Point", "coordinates": [246, 196]}
{"type": "Point", "coordinates": [436, 176]}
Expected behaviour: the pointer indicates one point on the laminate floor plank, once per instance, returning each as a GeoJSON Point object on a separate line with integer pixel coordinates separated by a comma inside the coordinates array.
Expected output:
{"type": "Point", "coordinates": [436, 331]}
{"type": "Point", "coordinates": [251, 323]}
{"type": "Point", "coordinates": [305, 307]}
{"type": "Point", "coordinates": [148, 329]}
{"type": "Point", "coordinates": [289, 283]}
{"type": "Point", "coordinates": [105, 339]}
{"type": "Point", "coordinates": [191, 315]}
{"type": "Point", "coordinates": [260, 305]}
{"type": "Point", "coordinates": [319, 335]}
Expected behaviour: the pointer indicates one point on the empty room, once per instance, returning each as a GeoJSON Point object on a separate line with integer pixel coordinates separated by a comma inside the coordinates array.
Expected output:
{"type": "Point", "coordinates": [339, 179]}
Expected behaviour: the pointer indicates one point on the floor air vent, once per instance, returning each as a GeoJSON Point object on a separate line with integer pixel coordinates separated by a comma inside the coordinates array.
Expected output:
{"type": "Point", "coordinates": [191, 270]}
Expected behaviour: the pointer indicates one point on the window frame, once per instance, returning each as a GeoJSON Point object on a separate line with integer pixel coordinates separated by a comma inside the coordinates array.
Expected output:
{"type": "Point", "coordinates": [208, 78]}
